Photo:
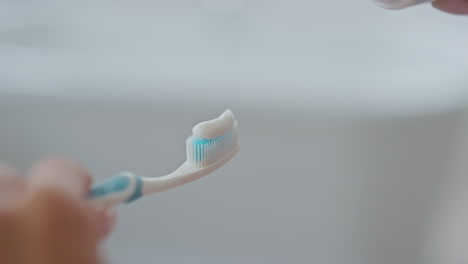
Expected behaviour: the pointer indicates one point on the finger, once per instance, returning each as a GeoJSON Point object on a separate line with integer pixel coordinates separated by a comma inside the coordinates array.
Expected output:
{"type": "Point", "coordinates": [452, 6]}
{"type": "Point", "coordinates": [61, 174]}
{"type": "Point", "coordinates": [11, 184]}
{"type": "Point", "coordinates": [9, 239]}
{"type": "Point", "coordinates": [58, 229]}
{"type": "Point", "coordinates": [61, 226]}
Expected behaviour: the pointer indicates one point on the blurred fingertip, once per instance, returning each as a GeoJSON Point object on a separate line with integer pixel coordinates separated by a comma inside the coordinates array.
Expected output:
{"type": "Point", "coordinates": [62, 172]}
{"type": "Point", "coordinates": [459, 7]}
{"type": "Point", "coordinates": [438, 4]}
{"type": "Point", "coordinates": [57, 160]}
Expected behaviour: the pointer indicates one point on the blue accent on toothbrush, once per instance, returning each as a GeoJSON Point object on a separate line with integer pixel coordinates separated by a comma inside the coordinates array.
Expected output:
{"type": "Point", "coordinates": [115, 184]}
{"type": "Point", "coordinates": [137, 193]}
{"type": "Point", "coordinates": [202, 143]}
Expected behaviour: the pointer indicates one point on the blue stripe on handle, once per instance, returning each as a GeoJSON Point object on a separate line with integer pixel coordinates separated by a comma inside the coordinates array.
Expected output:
{"type": "Point", "coordinates": [137, 193]}
{"type": "Point", "coordinates": [115, 184]}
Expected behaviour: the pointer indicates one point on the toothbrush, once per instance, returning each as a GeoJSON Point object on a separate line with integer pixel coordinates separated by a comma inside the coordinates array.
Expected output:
{"type": "Point", "coordinates": [212, 144]}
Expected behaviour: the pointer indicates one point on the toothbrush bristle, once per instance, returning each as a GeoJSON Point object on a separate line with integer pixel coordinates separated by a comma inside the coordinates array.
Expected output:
{"type": "Point", "coordinates": [204, 152]}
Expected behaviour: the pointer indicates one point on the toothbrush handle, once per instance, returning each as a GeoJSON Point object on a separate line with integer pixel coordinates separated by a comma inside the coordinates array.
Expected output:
{"type": "Point", "coordinates": [124, 187]}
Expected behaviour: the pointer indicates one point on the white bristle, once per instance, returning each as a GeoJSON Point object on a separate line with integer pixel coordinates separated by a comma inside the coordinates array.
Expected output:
{"type": "Point", "coordinates": [201, 153]}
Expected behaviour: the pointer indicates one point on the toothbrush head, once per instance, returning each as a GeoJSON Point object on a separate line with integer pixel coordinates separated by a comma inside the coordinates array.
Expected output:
{"type": "Point", "coordinates": [213, 141]}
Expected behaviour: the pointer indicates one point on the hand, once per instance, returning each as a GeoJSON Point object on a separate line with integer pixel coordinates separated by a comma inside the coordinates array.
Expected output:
{"type": "Point", "coordinates": [452, 6]}
{"type": "Point", "coordinates": [46, 219]}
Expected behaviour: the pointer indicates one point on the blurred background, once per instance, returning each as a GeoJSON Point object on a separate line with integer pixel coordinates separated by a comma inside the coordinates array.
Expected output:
{"type": "Point", "coordinates": [353, 123]}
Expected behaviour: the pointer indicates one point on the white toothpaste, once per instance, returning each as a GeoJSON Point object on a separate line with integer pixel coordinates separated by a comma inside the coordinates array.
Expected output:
{"type": "Point", "coordinates": [215, 127]}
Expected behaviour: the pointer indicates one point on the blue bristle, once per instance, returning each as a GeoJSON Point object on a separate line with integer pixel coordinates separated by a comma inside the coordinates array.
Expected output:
{"type": "Point", "coordinates": [200, 143]}
{"type": "Point", "coordinates": [203, 152]}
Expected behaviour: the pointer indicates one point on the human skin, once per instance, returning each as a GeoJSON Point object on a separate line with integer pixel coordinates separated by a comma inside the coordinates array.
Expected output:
{"type": "Point", "coordinates": [452, 6]}
{"type": "Point", "coordinates": [45, 217]}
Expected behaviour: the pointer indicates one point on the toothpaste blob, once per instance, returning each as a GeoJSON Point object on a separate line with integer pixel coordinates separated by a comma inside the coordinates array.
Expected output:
{"type": "Point", "coordinates": [215, 127]}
